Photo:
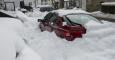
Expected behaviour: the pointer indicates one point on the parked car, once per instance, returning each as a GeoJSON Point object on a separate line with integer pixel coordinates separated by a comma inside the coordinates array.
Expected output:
{"type": "Point", "coordinates": [66, 24]}
{"type": "Point", "coordinates": [44, 8]}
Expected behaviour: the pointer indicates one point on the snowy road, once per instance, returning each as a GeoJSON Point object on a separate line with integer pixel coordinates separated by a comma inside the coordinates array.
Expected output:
{"type": "Point", "coordinates": [97, 44]}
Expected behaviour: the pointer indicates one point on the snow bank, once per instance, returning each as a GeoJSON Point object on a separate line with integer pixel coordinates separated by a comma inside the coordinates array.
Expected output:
{"type": "Point", "coordinates": [97, 44]}
{"type": "Point", "coordinates": [22, 16]}
{"type": "Point", "coordinates": [70, 11]}
{"type": "Point", "coordinates": [36, 14]}
{"type": "Point", "coordinates": [28, 54]}
{"type": "Point", "coordinates": [103, 15]}
{"type": "Point", "coordinates": [9, 38]}
{"type": "Point", "coordinates": [11, 41]}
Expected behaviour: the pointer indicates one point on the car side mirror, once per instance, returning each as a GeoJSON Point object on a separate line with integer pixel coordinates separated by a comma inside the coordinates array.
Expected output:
{"type": "Point", "coordinates": [39, 20]}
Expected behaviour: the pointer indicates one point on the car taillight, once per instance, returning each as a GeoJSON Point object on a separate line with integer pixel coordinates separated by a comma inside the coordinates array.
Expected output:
{"type": "Point", "coordinates": [78, 34]}
{"type": "Point", "coordinates": [67, 33]}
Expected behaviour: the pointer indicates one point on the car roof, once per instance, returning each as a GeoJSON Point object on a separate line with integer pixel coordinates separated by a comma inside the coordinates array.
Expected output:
{"type": "Point", "coordinates": [62, 12]}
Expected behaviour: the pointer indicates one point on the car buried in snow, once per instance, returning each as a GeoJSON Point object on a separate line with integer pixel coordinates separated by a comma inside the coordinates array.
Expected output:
{"type": "Point", "coordinates": [44, 8]}
{"type": "Point", "coordinates": [68, 24]}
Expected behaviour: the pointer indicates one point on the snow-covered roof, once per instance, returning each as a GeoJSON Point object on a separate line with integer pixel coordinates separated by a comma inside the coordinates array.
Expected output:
{"type": "Point", "coordinates": [109, 3]}
{"type": "Point", "coordinates": [63, 12]}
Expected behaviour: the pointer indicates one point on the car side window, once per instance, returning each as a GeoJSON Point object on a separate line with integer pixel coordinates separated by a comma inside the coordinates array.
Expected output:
{"type": "Point", "coordinates": [48, 16]}
{"type": "Point", "coordinates": [53, 18]}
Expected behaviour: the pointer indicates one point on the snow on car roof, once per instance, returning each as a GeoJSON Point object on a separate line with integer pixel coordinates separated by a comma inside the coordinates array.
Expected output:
{"type": "Point", "coordinates": [63, 12]}
{"type": "Point", "coordinates": [108, 3]}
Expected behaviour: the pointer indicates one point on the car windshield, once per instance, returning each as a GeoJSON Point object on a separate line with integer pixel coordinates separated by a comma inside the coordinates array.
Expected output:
{"type": "Point", "coordinates": [80, 18]}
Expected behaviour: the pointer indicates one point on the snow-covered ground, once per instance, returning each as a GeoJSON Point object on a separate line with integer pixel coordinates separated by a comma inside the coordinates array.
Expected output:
{"type": "Point", "coordinates": [97, 44]}
{"type": "Point", "coordinates": [12, 42]}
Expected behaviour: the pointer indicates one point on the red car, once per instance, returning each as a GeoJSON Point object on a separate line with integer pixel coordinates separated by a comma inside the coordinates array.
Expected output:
{"type": "Point", "coordinates": [68, 26]}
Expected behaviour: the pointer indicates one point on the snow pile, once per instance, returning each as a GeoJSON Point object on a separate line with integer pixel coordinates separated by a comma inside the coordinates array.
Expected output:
{"type": "Point", "coordinates": [36, 14]}
{"type": "Point", "coordinates": [28, 54]}
{"type": "Point", "coordinates": [11, 41]}
{"type": "Point", "coordinates": [70, 11]}
{"type": "Point", "coordinates": [103, 15]}
{"type": "Point", "coordinates": [97, 44]}
{"type": "Point", "coordinates": [22, 16]}
{"type": "Point", "coordinates": [10, 38]}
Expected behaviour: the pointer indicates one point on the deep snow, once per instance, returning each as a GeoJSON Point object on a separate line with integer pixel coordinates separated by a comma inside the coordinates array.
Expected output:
{"type": "Point", "coordinates": [12, 42]}
{"type": "Point", "coordinates": [97, 44]}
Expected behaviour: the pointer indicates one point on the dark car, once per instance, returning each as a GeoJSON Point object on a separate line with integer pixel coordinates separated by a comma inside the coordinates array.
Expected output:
{"type": "Point", "coordinates": [68, 26]}
{"type": "Point", "coordinates": [43, 9]}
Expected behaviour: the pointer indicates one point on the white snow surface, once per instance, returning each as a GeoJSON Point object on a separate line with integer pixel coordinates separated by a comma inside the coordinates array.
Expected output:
{"type": "Point", "coordinates": [63, 12]}
{"type": "Point", "coordinates": [11, 41]}
{"type": "Point", "coordinates": [96, 44]}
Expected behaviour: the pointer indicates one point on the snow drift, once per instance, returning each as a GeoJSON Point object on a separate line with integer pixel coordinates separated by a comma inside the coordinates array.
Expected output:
{"type": "Point", "coordinates": [11, 41]}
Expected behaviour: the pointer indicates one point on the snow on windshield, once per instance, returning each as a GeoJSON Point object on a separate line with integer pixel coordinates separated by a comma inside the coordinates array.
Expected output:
{"type": "Point", "coordinates": [81, 18]}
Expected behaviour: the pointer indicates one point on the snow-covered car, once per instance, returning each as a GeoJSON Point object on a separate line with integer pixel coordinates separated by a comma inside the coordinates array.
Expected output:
{"type": "Point", "coordinates": [68, 24]}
